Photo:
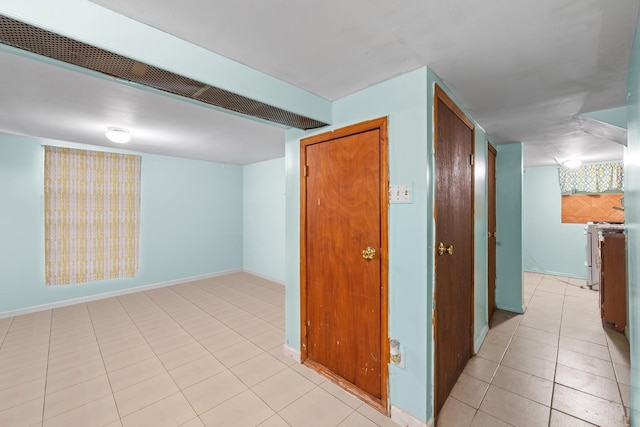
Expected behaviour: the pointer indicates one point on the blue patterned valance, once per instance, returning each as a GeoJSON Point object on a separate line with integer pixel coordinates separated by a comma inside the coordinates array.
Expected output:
{"type": "Point", "coordinates": [592, 178]}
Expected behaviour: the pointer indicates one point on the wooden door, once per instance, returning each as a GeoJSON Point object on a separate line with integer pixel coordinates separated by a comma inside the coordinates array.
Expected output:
{"type": "Point", "coordinates": [344, 214]}
{"type": "Point", "coordinates": [454, 231]}
{"type": "Point", "coordinates": [491, 256]}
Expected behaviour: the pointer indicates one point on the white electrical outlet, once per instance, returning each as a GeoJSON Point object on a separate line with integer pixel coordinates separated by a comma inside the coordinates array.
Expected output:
{"type": "Point", "coordinates": [400, 193]}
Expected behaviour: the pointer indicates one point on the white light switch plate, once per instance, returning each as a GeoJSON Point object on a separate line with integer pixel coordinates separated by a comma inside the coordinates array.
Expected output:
{"type": "Point", "coordinates": [400, 193]}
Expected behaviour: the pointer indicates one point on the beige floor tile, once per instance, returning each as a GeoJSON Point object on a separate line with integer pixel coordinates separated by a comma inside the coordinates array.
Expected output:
{"type": "Point", "coordinates": [482, 419]}
{"type": "Point", "coordinates": [166, 344]}
{"type": "Point", "coordinates": [256, 327]}
{"type": "Point", "coordinates": [221, 341]}
{"type": "Point", "coordinates": [22, 360]}
{"type": "Point", "coordinates": [357, 420]}
{"type": "Point", "coordinates": [455, 414]}
{"type": "Point", "coordinates": [278, 353]}
{"type": "Point", "coordinates": [18, 376]}
{"type": "Point", "coordinates": [529, 364]}
{"type": "Point", "coordinates": [206, 330]}
{"type": "Point", "coordinates": [588, 383]}
{"type": "Point", "coordinates": [497, 338]}
{"type": "Point", "coordinates": [257, 369]}
{"type": "Point", "coordinates": [195, 422]}
{"type": "Point", "coordinates": [182, 355]}
{"type": "Point", "coordinates": [623, 374]}
{"type": "Point", "coordinates": [534, 348]}
{"type": "Point", "coordinates": [75, 396]}
{"type": "Point", "coordinates": [25, 415]}
{"type": "Point", "coordinates": [144, 393]}
{"type": "Point", "coordinates": [22, 393]}
{"type": "Point", "coordinates": [481, 369]}
{"type": "Point", "coordinates": [171, 411]}
{"type": "Point", "coordinates": [469, 390]}
{"type": "Point", "coordinates": [308, 373]}
{"type": "Point", "coordinates": [246, 409]}
{"type": "Point", "coordinates": [196, 371]}
{"type": "Point", "coordinates": [274, 421]}
{"type": "Point", "coordinates": [76, 375]}
{"type": "Point", "coordinates": [625, 394]}
{"type": "Point", "coordinates": [213, 391]}
{"type": "Point", "coordinates": [98, 413]}
{"type": "Point", "coordinates": [121, 344]}
{"type": "Point", "coordinates": [560, 419]}
{"type": "Point", "coordinates": [375, 416]}
{"type": "Point", "coordinates": [316, 408]}
{"type": "Point", "coordinates": [584, 335]}
{"type": "Point", "coordinates": [283, 388]}
{"type": "Point", "coordinates": [59, 350]}
{"type": "Point", "coordinates": [525, 385]}
{"type": "Point", "coordinates": [491, 352]}
{"type": "Point", "coordinates": [79, 357]}
{"type": "Point", "coordinates": [514, 409]}
{"type": "Point", "coordinates": [538, 335]}
{"type": "Point", "coordinates": [270, 339]}
{"type": "Point", "coordinates": [341, 394]}
{"type": "Point", "coordinates": [238, 353]}
{"type": "Point", "coordinates": [587, 407]}
{"type": "Point", "coordinates": [586, 363]}
{"type": "Point", "coordinates": [128, 357]}
{"type": "Point", "coordinates": [585, 347]}
{"type": "Point", "coordinates": [136, 373]}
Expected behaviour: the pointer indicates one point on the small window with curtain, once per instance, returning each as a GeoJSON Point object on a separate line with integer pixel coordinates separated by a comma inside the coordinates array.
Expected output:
{"type": "Point", "coordinates": [592, 193]}
{"type": "Point", "coordinates": [92, 215]}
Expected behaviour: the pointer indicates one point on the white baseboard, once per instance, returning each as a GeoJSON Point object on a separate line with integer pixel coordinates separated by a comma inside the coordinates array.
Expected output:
{"type": "Point", "coordinates": [246, 270]}
{"type": "Point", "coordinates": [111, 294]}
{"type": "Point", "coordinates": [291, 353]}
{"type": "Point", "coordinates": [405, 419]}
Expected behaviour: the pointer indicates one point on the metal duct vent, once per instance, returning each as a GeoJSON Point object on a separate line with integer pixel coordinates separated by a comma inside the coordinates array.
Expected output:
{"type": "Point", "coordinates": [42, 42]}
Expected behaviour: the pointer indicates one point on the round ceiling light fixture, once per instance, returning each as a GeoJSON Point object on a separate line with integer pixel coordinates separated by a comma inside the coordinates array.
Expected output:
{"type": "Point", "coordinates": [572, 164]}
{"type": "Point", "coordinates": [118, 135]}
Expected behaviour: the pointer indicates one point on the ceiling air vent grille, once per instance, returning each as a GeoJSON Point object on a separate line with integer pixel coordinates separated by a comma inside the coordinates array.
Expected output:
{"type": "Point", "coordinates": [42, 42]}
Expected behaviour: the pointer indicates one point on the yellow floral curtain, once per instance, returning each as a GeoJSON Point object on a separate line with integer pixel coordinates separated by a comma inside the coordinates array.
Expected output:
{"type": "Point", "coordinates": [591, 178]}
{"type": "Point", "coordinates": [92, 215]}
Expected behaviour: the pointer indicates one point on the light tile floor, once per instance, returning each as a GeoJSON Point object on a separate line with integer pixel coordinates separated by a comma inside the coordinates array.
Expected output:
{"type": "Point", "coordinates": [210, 353]}
{"type": "Point", "coordinates": [206, 353]}
{"type": "Point", "coordinates": [553, 366]}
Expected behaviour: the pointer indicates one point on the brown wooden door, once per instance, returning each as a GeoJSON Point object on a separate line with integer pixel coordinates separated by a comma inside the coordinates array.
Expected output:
{"type": "Point", "coordinates": [454, 229]}
{"type": "Point", "coordinates": [491, 256]}
{"type": "Point", "coordinates": [345, 296]}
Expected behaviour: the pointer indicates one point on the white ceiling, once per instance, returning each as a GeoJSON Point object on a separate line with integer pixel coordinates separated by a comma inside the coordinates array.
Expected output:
{"type": "Point", "coordinates": [524, 70]}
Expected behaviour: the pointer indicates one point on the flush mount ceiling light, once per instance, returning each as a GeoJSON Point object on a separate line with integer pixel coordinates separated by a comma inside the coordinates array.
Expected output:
{"type": "Point", "coordinates": [572, 164]}
{"type": "Point", "coordinates": [119, 135]}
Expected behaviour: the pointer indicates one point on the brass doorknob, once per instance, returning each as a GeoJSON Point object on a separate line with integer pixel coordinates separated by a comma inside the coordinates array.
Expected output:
{"type": "Point", "coordinates": [369, 253]}
{"type": "Point", "coordinates": [492, 234]}
{"type": "Point", "coordinates": [442, 249]}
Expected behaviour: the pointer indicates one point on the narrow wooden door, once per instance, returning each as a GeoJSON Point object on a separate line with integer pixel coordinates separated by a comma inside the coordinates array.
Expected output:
{"type": "Point", "coordinates": [491, 256]}
{"type": "Point", "coordinates": [345, 292]}
{"type": "Point", "coordinates": [454, 244]}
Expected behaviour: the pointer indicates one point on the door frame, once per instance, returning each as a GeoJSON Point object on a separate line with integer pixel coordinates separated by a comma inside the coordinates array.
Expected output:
{"type": "Point", "coordinates": [441, 95]}
{"type": "Point", "coordinates": [379, 124]}
{"type": "Point", "coordinates": [491, 304]}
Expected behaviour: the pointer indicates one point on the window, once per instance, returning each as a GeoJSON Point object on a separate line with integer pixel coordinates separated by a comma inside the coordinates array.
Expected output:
{"type": "Point", "coordinates": [92, 215]}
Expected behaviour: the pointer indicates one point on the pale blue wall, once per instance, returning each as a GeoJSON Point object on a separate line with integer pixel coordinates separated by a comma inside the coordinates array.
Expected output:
{"type": "Point", "coordinates": [190, 225]}
{"type": "Point", "coordinates": [613, 116]}
{"type": "Point", "coordinates": [548, 245]}
{"type": "Point", "coordinates": [632, 220]}
{"type": "Point", "coordinates": [263, 210]}
{"type": "Point", "coordinates": [509, 171]}
{"type": "Point", "coordinates": [404, 101]}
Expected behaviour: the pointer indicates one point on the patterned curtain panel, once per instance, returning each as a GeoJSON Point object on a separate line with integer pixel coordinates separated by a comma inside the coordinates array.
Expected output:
{"type": "Point", "coordinates": [92, 215]}
{"type": "Point", "coordinates": [591, 178]}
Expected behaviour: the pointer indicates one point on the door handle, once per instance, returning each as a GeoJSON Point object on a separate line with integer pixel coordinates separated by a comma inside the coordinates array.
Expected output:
{"type": "Point", "coordinates": [369, 253]}
{"type": "Point", "coordinates": [442, 249]}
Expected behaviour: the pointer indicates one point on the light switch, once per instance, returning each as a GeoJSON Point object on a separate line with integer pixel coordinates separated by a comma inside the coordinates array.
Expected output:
{"type": "Point", "coordinates": [400, 193]}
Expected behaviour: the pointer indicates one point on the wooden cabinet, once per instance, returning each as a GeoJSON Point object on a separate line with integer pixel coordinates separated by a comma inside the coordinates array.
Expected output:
{"type": "Point", "coordinates": [613, 279]}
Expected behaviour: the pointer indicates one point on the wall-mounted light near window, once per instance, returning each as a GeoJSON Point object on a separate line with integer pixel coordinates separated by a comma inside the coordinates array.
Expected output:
{"type": "Point", "coordinates": [572, 164]}
{"type": "Point", "coordinates": [118, 135]}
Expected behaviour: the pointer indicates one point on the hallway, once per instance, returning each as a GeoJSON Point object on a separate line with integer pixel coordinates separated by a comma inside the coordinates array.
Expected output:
{"type": "Point", "coordinates": [553, 366]}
